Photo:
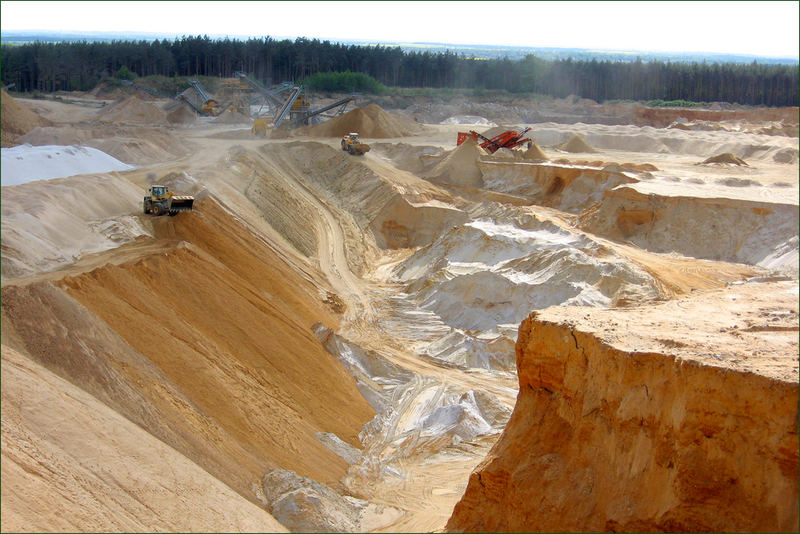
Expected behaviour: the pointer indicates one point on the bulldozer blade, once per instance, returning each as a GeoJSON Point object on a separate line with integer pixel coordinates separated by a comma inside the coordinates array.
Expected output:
{"type": "Point", "coordinates": [181, 204]}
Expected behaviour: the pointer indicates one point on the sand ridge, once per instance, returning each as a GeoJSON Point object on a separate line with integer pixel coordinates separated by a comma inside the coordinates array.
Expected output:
{"type": "Point", "coordinates": [132, 110]}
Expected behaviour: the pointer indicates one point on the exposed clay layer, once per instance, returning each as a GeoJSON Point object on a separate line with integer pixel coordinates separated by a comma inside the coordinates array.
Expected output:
{"type": "Point", "coordinates": [649, 419]}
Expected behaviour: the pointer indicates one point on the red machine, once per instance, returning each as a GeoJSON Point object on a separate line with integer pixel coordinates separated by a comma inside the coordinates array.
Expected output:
{"type": "Point", "coordinates": [508, 139]}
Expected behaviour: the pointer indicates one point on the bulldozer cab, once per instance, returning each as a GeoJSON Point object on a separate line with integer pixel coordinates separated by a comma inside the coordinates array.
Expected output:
{"type": "Point", "coordinates": [158, 191]}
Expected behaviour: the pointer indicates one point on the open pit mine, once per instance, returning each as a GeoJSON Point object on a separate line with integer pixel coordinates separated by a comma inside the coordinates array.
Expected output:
{"type": "Point", "coordinates": [595, 329]}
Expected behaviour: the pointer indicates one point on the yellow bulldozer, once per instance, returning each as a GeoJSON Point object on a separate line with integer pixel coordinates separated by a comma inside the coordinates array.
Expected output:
{"type": "Point", "coordinates": [353, 145]}
{"type": "Point", "coordinates": [160, 200]}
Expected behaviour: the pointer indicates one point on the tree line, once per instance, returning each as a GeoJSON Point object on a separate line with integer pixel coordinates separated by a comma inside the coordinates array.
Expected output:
{"type": "Point", "coordinates": [81, 65]}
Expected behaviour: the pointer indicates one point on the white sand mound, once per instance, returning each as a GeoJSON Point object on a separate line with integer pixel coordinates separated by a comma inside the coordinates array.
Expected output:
{"type": "Point", "coordinates": [460, 167]}
{"type": "Point", "coordinates": [439, 415]}
{"type": "Point", "coordinates": [304, 505]}
{"type": "Point", "coordinates": [26, 163]}
{"type": "Point", "coordinates": [132, 110]}
{"type": "Point", "coordinates": [17, 119]}
{"type": "Point", "coordinates": [489, 272]}
{"type": "Point", "coordinates": [463, 349]}
{"type": "Point", "coordinates": [370, 121]}
{"type": "Point", "coordinates": [576, 144]}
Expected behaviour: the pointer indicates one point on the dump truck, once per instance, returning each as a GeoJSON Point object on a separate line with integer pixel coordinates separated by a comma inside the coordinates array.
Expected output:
{"type": "Point", "coordinates": [353, 145]}
{"type": "Point", "coordinates": [260, 127]}
{"type": "Point", "coordinates": [161, 200]}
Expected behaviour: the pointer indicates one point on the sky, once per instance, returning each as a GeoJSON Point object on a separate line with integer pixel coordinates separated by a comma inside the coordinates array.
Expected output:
{"type": "Point", "coordinates": [734, 27]}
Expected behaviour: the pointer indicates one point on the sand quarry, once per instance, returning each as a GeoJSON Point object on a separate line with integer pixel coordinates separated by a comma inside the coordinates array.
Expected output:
{"type": "Point", "coordinates": [327, 342]}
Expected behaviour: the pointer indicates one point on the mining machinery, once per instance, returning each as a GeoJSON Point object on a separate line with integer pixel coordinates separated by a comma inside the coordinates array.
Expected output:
{"type": "Point", "coordinates": [508, 139]}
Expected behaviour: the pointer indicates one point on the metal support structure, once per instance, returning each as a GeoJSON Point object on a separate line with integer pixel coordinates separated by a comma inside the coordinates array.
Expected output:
{"type": "Point", "coordinates": [286, 106]}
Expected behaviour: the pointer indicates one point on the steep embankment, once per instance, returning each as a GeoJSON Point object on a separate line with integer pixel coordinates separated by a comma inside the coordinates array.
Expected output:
{"type": "Point", "coordinates": [570, 188]}
{"type": "Point", "coordinates": [54, 437]}
{"type": "Point", "coordinates": [205, 343]}
{"type": "Point", "coordinates": [712, 225]}
{"type": "Point", "coordinates": [650, 419]}
{"type": "Point", "coordinates": [399, 209]}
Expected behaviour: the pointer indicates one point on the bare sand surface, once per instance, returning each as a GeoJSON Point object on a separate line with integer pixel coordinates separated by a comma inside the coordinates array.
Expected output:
{"type": "Point", "coordinates": [374, 299]}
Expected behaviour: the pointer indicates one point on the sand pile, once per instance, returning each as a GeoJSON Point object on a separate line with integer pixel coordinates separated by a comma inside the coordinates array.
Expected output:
{"type": "Point", "coordinates": [460, 167]}
{"type": "Point", "coordinates": [231, 117]}
{"type": "Point", "coordinates": [576, 144]}
{"type": "Point", "coordinates": [132, 110]}
{"type": "Point", "coordinates": [181, 115]}
{"type": "Point", "coordinates": [370, 121]}
{"type": "Point", "coordinates": [416, 159]}
{"type": "Point", "coordinates": [727, 158]}
{"type": "Point", "coordinates": [17, 119]}
{"type": "Point", "coordinates": [535, 153]}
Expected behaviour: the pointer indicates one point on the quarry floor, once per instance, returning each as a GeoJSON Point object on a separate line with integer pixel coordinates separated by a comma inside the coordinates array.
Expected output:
{"type": "Point", "coordinates": [414, 328]}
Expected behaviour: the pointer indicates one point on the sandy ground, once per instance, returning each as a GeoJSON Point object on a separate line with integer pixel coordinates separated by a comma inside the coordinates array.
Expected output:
{"type": "Point", "coordinates": [420, 282]}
